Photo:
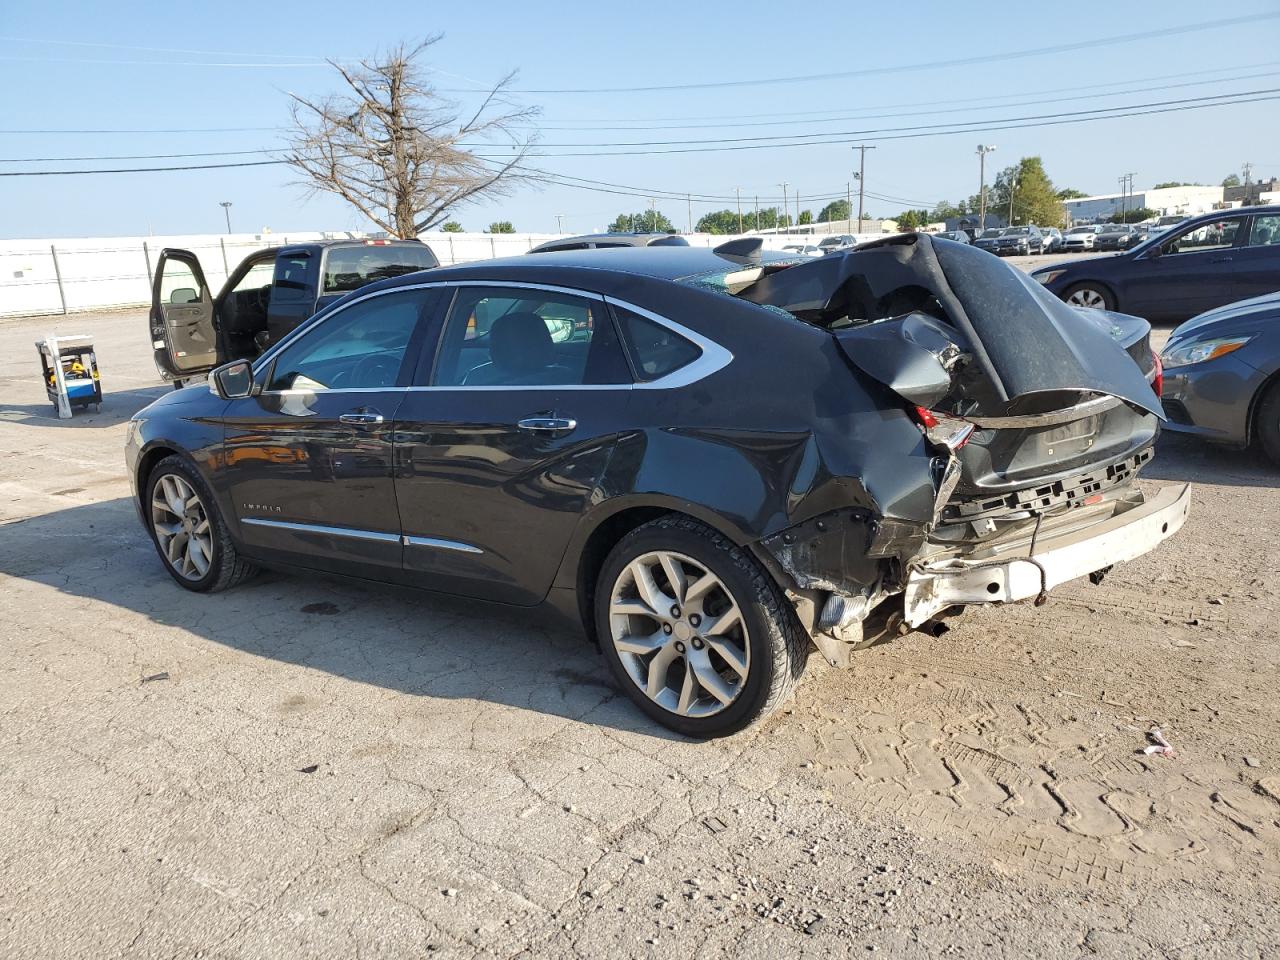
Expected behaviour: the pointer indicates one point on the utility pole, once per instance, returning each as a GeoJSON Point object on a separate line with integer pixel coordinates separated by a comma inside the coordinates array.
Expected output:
{"type": "Point", "coordinates": [757, 213]}
{"type": "Point", "coordinates": [1247, 170]}
{"type": "Point", "coordinates": [653, 215]}
{"type": "Point", "coordinates": [861, 176]}
{"type": "Point", "coordinates": [848, 208]}
{"type": "Point", "coordinates": [1013, 187]}
{"type": "Point", "coordinates": [783, 185]}
{"type": "Point", "coordinates": [689, 199]}
{"type": "Point", "coordinates": [983, 150]}
{"type": "Point", "coordinates": [738, 191]}
{"type": "Point", "coordinates": [226, 208]}
{"type": "Point", "coordinates": [558, 216]}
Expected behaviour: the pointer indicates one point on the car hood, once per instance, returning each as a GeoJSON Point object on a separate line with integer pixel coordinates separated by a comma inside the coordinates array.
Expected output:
{"type": "Point", "coordinates": [193, 401]}
{"type": "Point", "coordinates": [1265, 307]}
{"type": "Point", "coordinates": [1028, 341]}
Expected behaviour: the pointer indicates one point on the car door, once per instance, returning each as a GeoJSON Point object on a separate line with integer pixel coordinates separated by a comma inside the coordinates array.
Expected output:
{"type": "Point", "coordinates": [1186, 273]}
{"type": "Point", "coordinates": [308, 458]}
{"type": "Point", "coordinates": [1257, 262]}
{"type": "Point", "coordinates": [182, 331]}
{"type": "Point", "coordinates": [502, 442]}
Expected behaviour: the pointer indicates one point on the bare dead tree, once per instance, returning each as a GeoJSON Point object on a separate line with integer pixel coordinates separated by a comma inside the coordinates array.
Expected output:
{"type": "Point", "coordinates": [401, 153]}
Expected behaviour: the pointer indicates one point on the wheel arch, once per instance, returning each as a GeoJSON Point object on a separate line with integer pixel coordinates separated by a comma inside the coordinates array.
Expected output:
{"type": "Point", "coordinates": [601, 532]}
{"type": "Point", "coordinates": [1272, 382]}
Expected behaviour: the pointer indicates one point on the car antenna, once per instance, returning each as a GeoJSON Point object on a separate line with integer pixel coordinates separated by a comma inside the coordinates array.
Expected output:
{"type": "Point", "coordinates": [741, 250]}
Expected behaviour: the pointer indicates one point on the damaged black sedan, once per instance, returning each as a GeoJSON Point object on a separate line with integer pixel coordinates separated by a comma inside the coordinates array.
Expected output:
{"type": "Point", "coordinates": [708, 458]}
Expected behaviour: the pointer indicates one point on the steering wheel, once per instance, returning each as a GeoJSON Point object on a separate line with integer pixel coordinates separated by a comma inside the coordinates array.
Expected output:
{"type": "Point", "coordinates": [375, 370]}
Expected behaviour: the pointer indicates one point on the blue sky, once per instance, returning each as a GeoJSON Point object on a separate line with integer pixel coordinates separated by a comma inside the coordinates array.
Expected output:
{"type": "Point", "coordinates": [94, 76]}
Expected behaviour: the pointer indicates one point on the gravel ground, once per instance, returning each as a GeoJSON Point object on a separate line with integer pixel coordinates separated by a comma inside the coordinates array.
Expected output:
{"type": "Point", "coordinates": [310, 768]}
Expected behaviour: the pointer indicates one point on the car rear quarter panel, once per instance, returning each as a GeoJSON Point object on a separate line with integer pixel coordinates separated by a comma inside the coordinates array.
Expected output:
{"type": "Point", "coordinates": [788, 431]}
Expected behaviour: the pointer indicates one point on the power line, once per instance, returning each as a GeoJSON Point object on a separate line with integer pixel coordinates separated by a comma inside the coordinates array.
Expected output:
{"type": "Point", "coordinates": [137, 156]}
{"type": "Point", "coordinates": [1090, 44]}
{"type": "Point", "coordinates": [125, 46]}
{"type": "Point", "coordinates": [148, 130]}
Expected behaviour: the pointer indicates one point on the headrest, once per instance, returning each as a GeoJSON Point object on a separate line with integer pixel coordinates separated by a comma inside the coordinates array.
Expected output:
{"type": "Point", "coordinates": [520, 342]}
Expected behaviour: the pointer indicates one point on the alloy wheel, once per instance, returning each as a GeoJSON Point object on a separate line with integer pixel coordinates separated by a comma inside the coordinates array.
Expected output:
{"type": "Point", "coordinates": [679, 634]}
{"type": "Point", "coordinates": [1087, 297]}
{"type": "Point", "coordinates": [182, 527]}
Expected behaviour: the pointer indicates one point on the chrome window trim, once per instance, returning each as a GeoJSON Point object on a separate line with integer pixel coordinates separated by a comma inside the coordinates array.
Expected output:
{"type": "Point", "coordinates": [322, 529]}
{"type": "Point", "coordinates": [713, 356]}
{"type": "Point", "coordinates": [440, 544]}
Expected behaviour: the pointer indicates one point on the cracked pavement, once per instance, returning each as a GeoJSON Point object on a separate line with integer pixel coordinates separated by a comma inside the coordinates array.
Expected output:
{"type": "Point", "coordinates": [306, 767]}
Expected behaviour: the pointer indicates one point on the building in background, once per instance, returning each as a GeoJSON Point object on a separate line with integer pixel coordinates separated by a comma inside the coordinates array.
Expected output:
{"type": "Point", "coordinates": [1168, 201]}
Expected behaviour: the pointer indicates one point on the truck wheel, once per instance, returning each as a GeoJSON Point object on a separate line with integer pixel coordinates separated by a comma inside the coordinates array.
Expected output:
{"type": "Point", "coordinates": [1268, 424]}
{"type": "Point", "coordinates": [188, 530]}
{"type": "Point", "coordinates": [695, 630]}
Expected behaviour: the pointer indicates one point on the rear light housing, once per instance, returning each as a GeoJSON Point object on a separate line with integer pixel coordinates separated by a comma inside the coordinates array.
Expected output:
{"type": "Point", "coordinates": [1157, 377]}
{"type": "Point", "coordinates": [942, 428]}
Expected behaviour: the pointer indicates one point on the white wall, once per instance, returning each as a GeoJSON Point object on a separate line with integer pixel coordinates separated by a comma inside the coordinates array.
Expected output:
{"type": "Point", "coordinates": [105, 272]}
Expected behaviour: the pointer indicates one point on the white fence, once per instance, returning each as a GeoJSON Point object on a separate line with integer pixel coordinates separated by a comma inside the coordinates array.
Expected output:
{"type": "Point", "coordinates": [40, 277]}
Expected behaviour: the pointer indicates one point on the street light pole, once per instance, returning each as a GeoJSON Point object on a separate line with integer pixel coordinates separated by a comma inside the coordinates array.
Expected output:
{"type": "Point", "coordinates": [226, 208]}
{"type": "Point", "coordinates": [1013, 187]}
{"type": "Point", "coordinates": [738, 191]}
{"type": "Point", "coordinates": [783, 185]}
{"type": "Point", "coordinates": [983, 150]}
{"type": "Point", "coordinates": [862, 171]}
{"type": "Point", "coordinates": [558, 216]}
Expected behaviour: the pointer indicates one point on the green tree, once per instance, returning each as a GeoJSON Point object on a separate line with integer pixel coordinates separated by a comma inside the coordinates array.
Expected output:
{"type": "Point", "coordinates": [1174, 183]}
{"type": "Point", "coordinates": [835, 210]}
{"type": "Point", "coordinates": [646, 221]}
{"type": "Point", "coordinates": [911, 220]}
{"type": "Point", "coordinates": [723, 221]}
{"type": "Point", "coordinates": [945, 210]}
{"type": "Point", "coordinates": [1136, 215]}
{"type": "Point", "coordinates": [806, 216]}
{"type": "Point", "coordinates": [1071, 193]}
{"type": "Point", "coordinates": [1231, 180]}
{"type": "Point", "coordinates": [453, 226]}
{"type": "Point", "coordinates": [501, 226]}
{"type": "Point", "coordinates": [1034, 199]}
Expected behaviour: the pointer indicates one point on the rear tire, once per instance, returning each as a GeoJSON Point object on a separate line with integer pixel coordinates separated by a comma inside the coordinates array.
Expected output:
{"type": "Point", "coordinates": [1089, 294]}
{"type": "Point", "coordinates": [1267, 424]}
{"type": "Point", "coordinates": [728, 648]}
{"type": "Point", "coordinates": [188, 531]}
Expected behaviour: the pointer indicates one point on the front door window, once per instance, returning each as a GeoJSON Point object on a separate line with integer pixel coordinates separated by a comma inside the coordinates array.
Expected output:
{"type": "Point", "coordinates": [1215, 235]}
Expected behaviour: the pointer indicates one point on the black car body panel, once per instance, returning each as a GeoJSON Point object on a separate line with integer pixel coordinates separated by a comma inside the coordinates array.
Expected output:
{"type": "Point", "coordinates": [1217, 398]}
{"type": "Point", "coordinates": [790, 428]}
{"type": "Point", "coordinates": [1199, 264]}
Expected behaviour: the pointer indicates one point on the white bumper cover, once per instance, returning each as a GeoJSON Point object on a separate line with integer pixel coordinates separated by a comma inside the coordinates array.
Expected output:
{"type": "Point", "coordinates": [1059, 557]}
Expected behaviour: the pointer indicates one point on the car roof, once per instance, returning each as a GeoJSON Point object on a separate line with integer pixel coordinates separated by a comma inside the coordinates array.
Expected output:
{"type": "Point", "coordinates": [348, 242]}
{"type": "Point", "coordinates": [630, 239]}
{"type": "Point", "coordinates": [661, 263]}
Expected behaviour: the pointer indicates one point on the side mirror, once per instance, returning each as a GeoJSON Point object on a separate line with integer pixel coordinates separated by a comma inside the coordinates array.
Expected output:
{"type": "Point", "coordinates": [183, 295]}
{"type": "Point", "coordinates": [232, 381]}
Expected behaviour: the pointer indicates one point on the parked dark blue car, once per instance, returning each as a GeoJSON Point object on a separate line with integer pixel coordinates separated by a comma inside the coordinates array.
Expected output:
{"type": "Point", "coordinates": [1222, 375]}
{"type": "Point", "coordinates": [1205, 262]}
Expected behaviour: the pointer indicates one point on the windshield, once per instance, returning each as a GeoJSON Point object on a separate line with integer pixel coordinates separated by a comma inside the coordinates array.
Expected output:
{"type": "Point", "coordinates": [1082, 230]}
{"type": "Point", "coordinates": [1115, 228]}
{"type": "Point", "coordinates": [1017, 232]}
{"type": "Point", "coordinates": [994, 232]}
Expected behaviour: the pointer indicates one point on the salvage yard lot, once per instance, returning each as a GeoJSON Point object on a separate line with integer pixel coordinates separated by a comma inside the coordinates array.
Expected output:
{"type": "Point", "coordinates": [303, 767]}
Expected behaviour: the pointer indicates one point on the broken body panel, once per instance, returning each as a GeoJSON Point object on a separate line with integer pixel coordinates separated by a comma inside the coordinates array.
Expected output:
{"type": "Point", "coordinates": [1034, 414]}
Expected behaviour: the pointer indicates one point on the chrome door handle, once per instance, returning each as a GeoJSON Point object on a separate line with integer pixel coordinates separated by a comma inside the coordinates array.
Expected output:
{"type": "Point", "coordinates": [547, 424]}
{"type": "Point", "coordinates": [361, 419]}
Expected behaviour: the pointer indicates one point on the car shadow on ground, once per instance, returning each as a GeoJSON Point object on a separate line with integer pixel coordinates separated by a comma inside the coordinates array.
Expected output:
{"type": "Point", "coordinates": [1188, 458]}
{"type": "Point", "coordinates": [411, 642]}
{"type": "Point", "coordinates": [117, 406]}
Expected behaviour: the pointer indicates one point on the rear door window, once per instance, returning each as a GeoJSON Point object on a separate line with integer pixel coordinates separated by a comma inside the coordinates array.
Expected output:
{"type": "Point", "coordinates": [513, 336]}
{"type": "Point", "coordinates": [656, 350]}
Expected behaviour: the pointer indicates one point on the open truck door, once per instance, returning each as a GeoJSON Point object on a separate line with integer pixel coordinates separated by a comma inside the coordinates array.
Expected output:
{"type": "Point", "coordinates": [182, 330]}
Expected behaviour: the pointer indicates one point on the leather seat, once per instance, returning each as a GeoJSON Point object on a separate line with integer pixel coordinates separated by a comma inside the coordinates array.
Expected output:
{"type": "Point", "coordinates": [520, 353]}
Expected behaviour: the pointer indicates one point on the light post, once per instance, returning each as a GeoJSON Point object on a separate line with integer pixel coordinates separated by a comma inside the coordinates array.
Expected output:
{"type": "Point", "coordinates": [860, 177]}
{"type": "Point", "coordinates": [983, 150]}
{"type": "Point", "coordinates": [226, 209]}
{"type": "Point", "coordinates": [558, 216]}
{"type": "Point", "coordinates": [783, 185]}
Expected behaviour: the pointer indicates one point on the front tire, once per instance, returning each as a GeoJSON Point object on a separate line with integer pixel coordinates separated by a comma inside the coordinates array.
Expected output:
{"type": "Point", "coordinates": [695, 631]}
{"type": "Point", "coordinates": [188, 530]}
{"type": "Point", "coordinates": [1267, 428]}
{"type": "Point", "coordinates": [1089, 294]}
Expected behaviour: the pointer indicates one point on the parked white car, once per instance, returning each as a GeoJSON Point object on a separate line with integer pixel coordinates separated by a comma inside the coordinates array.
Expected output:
{"type": "Point", "coordinates": [1080, 238]}
{"type": "Point", "coordinates": [804, 249]}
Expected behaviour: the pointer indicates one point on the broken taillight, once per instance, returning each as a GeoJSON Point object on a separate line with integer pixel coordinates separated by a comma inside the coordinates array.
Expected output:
{"type": "Point", "coordinates": [1157, 379]}
{"type": "Point", "coordinates": [941, 428]}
